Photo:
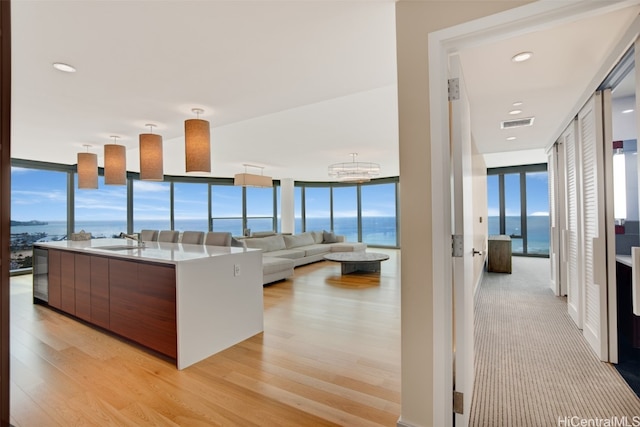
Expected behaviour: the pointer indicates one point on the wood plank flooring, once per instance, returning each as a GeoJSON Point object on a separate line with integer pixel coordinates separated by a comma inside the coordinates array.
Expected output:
{"type": "Point", "coordinates": [329, 355]}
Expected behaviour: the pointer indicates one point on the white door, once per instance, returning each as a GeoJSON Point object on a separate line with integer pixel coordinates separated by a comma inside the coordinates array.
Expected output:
{"type": "Point", "coordinates": [462, 218]}
{"type": "Point", "coordinates": [571, 238]}
{"type": "Point", "coordinates": [558, 217]}
{"type": "Point", "coordinates": [555, 231]}
{"type": "Point", "coordinates": [611, 306]}
{"type": "Point", "coordinates": [561, 218]}
{"type": "Point", "coordinates": [594, 235]}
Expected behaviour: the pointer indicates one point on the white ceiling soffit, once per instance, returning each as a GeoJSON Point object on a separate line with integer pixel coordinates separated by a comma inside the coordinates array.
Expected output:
{"type": "Point", "coordinates": [566, 57]}
{"type": "Point", "coordinates": [515, 158]}
{"type": "Point", "coordinates": [291, 86]}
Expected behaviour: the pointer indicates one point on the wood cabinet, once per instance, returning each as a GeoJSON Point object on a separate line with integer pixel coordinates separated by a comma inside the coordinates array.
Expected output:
{"type": "Point", "coordinates": [143, 304]}
{"type": "Point", "coordinates": [67, 282]}
{"type": "Point", "coordinates": [499, 254]}
{"type": "Point", "coordinates": [136, 300]}
{"type": "Point", "coordinates": [54, 278]}
{"type": "Point", "coordinates": [184, 303]}
{"type": "Point", "coordinates": [82, 281]}
{"type": "Point", "coordinates": [100, 291]}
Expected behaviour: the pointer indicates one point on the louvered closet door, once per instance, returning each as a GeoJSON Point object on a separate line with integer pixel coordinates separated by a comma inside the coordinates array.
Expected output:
{"type": "Point", "coordinates": [593, 226]}
{"type": "Point", "coordinates": [554, 249]}
{"type": "Point", "coordinates": [571, 246]}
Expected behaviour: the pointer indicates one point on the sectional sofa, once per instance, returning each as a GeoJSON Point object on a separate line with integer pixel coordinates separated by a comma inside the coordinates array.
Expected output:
{"type": "Point", "coordinates": [281, 253]}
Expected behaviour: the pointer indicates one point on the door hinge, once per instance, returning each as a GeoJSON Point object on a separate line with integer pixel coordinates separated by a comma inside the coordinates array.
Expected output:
{"type": "Point", "coordinates": [454, 89]}
{"type": "Point", "coordinates": [458, 402]}
{"type": "Point", "coordinates": [457, 245]}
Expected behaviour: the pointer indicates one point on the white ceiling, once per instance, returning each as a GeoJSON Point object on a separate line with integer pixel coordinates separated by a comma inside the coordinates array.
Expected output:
{"type": "Point", "coordinates": [292, 86]}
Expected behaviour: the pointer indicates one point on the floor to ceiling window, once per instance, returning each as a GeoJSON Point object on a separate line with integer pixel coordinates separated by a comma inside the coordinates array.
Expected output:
{"type": "Point", "coordinates": [363, 212]}
{"type": "Point", "coordinates": [190, 206]}
{"type": "Point", "coordinates": [226, 209]}
{"type": "Point", "coordinates": [259, 209]}
{"type": "Point", "coordinates": [518, 205]}
{"type": "Point", "coordinates": [379, 219]}
{"type": "Point", "coordinates": [38, 211]}
{"type": "Point", "coordinates": [345, 212]}
{"type": "Point", "coordinates": [47, 205]}
{"type": "Point", "coordinates": [101, 212]}
{"type": "Point", "coordinates": [317, 208]}
{"type": "Point", "coordinates": [151, 205]}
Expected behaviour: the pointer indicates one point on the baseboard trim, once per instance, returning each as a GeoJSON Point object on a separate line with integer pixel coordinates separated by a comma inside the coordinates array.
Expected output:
{"type": "Point", "coordinates": [476, 286]}
{"type": "Point", "coordinates": [403, 424]}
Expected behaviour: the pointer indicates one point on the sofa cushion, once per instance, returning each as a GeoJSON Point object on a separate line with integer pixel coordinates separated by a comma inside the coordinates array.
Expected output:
{"type": "Point", "coordinates": [317, 236]}
{"type": "Point", "coordinates": [267, 244]}
{"type": "Point", "coordinates": [297, 240]}
{"type": "Point", "coordinates": [348, 247]}
{"type": "Point", "coordinates": [316, 250]}
{"type": "Point", "coordinates": [329, 237]}
{"type": "Point", "coordinates": [272, 265]}
{"type": "Point", "coordinates": [286, 253]}
{"type": "Point", "coordinates": [263, 233]}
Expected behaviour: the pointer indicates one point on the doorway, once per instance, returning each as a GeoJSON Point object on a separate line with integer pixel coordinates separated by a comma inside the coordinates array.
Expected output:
{"type": "Point", "coordinates": [622, 83]}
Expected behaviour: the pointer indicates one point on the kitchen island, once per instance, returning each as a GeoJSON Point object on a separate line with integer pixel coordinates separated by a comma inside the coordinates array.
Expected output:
{"type": "Point", "coordinates": [187, 302]}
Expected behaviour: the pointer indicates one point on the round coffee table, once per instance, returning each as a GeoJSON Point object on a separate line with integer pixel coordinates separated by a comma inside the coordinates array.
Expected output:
{"type": "Point", "coordinates": [357, 261]}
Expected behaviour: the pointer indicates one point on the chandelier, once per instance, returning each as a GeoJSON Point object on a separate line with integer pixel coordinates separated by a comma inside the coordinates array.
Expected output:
{"type": "Point", "coordinates": [354, 171]}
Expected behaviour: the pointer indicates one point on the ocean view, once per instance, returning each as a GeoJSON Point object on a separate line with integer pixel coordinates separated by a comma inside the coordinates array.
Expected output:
{"type": "Point", "coordinates": [537, 233]}
{"type": "Point", "coordinates": [375, 230]}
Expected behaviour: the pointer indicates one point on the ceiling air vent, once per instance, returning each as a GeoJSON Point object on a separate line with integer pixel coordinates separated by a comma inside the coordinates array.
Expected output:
{"type": "Point", "coordinates": [516, 123]}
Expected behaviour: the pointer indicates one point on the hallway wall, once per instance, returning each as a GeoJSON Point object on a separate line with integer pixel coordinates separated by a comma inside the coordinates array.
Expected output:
{"type": "Point", "coordinates": [480, 212]}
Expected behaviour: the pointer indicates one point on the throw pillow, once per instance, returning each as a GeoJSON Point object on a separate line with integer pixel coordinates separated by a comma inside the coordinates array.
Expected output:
{"type": "Point", "coordinates": [329, 237]}
{"type": "Point", "coordinates": [237, 243]}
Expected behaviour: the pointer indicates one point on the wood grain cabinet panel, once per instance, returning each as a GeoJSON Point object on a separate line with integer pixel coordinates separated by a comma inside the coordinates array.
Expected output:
{"type": "Point", "coordinates": [143, 304]}
{"type": "Point", "coordinates": [157, 308]}
{"type": "Point", "coordinates": [67, 283]}
{"type": "Point", "coordinates": [53, 264]}
{"type": "Point", "coordinates": [123, 300]}
{"type": "Point", "coordinates": [100, 291]}
{"type": "Point", "coordinates": [82, 279]}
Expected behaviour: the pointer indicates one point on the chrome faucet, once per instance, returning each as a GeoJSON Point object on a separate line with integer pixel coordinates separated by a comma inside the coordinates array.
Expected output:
{"type": "Point", "coordinates": [129, 236]}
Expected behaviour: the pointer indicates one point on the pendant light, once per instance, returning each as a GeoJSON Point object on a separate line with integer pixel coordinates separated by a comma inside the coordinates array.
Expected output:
{"type": "Point", "coordinates": [115, 163]}
{"type": "Point", "coordinates": [197, 143]}
{"type": "Point", "coordinates": [252, 180]}
{"type": "Point", "coordinates": [87, 170]}
{"type": "Point", "coordinates": [151, 168]}
{"type": "Point", "coordinates": [354, 171]}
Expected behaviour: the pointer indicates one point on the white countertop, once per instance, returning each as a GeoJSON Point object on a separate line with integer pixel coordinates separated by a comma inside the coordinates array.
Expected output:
{"type": "Point", "coordinates": [624, 259]}
{"type": "Point", "coordinates": [152, 251]}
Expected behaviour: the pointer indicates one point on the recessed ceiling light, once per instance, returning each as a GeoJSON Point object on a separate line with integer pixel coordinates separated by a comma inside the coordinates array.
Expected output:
{"type": "Point", "coordinates": [511, 138]}
{"type": "Point", "coordinates": [512, 112]}
{"type": "Point", "coordinates": [522, 56]}
{"type": "Point", "coordinates": [64, 67]}
{"type": "Point", "coordinates": [627, 111]}
{"type": "Point", "coordinates": [517, 103]}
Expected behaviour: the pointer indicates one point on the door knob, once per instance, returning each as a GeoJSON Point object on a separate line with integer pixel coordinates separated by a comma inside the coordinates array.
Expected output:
{"type": "Point", "coordinates": [476, 252]}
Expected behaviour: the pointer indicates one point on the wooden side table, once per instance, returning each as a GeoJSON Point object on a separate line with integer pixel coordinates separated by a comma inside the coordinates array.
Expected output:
{"type": "Point", "coordinates": [499, 254]}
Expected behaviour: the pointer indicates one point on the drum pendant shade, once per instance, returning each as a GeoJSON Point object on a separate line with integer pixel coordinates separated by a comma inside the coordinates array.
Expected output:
{"type": "Point", "coordinates": [151, 160]}
{"type": "Point", "coordinates": [197, 144]}
{"type": "Point", "coordinates": [87, 171]}
{"type": "Point", "coordinates": [115, 164]}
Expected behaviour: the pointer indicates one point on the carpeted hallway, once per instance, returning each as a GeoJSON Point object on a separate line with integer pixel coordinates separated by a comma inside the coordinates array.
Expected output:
{"type": "Point", "coordinates": [533, 368]}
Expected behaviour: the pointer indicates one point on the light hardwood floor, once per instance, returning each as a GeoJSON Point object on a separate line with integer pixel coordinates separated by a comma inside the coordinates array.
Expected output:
{"type": "Point", "coordinates": [329, 355]}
